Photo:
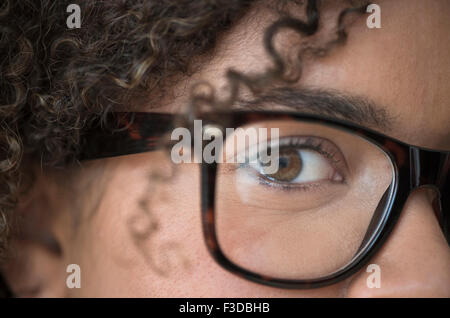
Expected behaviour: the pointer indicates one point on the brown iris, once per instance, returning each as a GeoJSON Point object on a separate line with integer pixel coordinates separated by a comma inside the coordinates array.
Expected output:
{"type": "Point", "coordinates": [289, 166]}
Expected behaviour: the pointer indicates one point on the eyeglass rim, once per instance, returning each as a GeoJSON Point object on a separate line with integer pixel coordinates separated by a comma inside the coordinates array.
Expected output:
{"type": "Point", "coordinates": [399, 152]}
{"type": "Point", "coordinates": [394, 149]}
{"type": "Point", "coordinates": [209, 173]}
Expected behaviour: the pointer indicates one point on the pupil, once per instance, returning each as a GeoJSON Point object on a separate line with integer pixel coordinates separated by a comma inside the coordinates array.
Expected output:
{"type": "Point", "coordinates": [283, 162]}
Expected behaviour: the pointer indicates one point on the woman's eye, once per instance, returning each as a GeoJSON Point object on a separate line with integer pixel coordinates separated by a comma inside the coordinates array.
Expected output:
{"type": "Point", "coordinates": [300, 166]}
{"type": "Point", "coordinates": [290, 165]}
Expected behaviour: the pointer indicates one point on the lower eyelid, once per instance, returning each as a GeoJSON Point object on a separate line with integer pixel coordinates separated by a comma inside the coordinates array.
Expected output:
{"type": "Point", "coordinates": [289, 186]}
{"type": "Point", "coordinates": [285, 186]}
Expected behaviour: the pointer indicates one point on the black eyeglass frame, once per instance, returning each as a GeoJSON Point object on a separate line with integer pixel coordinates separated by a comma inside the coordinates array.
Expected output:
{"type": "Point", "coordinates": [414, 167]}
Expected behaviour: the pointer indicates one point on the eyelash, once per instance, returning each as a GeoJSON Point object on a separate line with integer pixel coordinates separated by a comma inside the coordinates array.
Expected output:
{"type": "Point", "coordinates": [309, 144]}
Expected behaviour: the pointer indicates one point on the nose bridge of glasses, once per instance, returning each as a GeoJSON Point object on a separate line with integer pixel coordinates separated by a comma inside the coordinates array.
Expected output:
{"type": "Point", "coordinates": [432, 169]}
{"type": "Point", "coordinates": [428, 168]}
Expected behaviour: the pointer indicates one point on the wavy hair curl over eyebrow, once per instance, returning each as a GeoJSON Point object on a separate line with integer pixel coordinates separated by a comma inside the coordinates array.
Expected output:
{"type": "Point", "coordinates": [279, 72]}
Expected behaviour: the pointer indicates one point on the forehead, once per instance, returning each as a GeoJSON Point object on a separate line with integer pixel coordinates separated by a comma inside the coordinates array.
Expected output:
{"type": "Point", "coordinates": [404, 66]}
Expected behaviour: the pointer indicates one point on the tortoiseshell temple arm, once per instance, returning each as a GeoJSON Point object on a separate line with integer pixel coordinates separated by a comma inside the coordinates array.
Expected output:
{"type": "Point", "coordinates": [433, 168]}
{"type": "Point", "coordinates": [126, 134]}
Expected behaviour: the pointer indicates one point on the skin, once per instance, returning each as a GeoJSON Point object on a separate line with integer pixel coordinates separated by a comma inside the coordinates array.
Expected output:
{"type": "Point", "coordinates": [93, 212]}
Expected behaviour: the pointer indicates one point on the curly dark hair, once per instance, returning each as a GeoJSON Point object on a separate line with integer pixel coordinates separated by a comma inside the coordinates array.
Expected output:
{"type": "Point", "coordinates": [57, 83]}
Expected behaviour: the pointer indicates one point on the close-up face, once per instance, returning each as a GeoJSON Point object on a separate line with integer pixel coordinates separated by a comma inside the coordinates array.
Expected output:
{"type": "Point", "coordinates": [351, 110]}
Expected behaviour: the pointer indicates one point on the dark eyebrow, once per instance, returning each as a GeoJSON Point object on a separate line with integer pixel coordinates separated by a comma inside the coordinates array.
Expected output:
{"type": "Point", "coordinates": [328, 103]}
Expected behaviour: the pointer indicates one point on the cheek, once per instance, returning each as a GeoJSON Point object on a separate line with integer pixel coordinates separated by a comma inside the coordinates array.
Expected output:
{"type": "Point", "coordinates": [146, 232]}
{"type": "Point", "coordinates": [146, 239]}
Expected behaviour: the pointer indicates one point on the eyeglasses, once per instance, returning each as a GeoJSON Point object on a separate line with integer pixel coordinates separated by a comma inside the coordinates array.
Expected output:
{"type": "Point", "coordinates": [336, 194]}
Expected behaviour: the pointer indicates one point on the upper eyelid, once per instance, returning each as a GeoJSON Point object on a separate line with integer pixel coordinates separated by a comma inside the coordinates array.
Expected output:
{"type": "Point", "coordinates": [335, 156]}
{"type": "Point", "coordinates": [321, 143]}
